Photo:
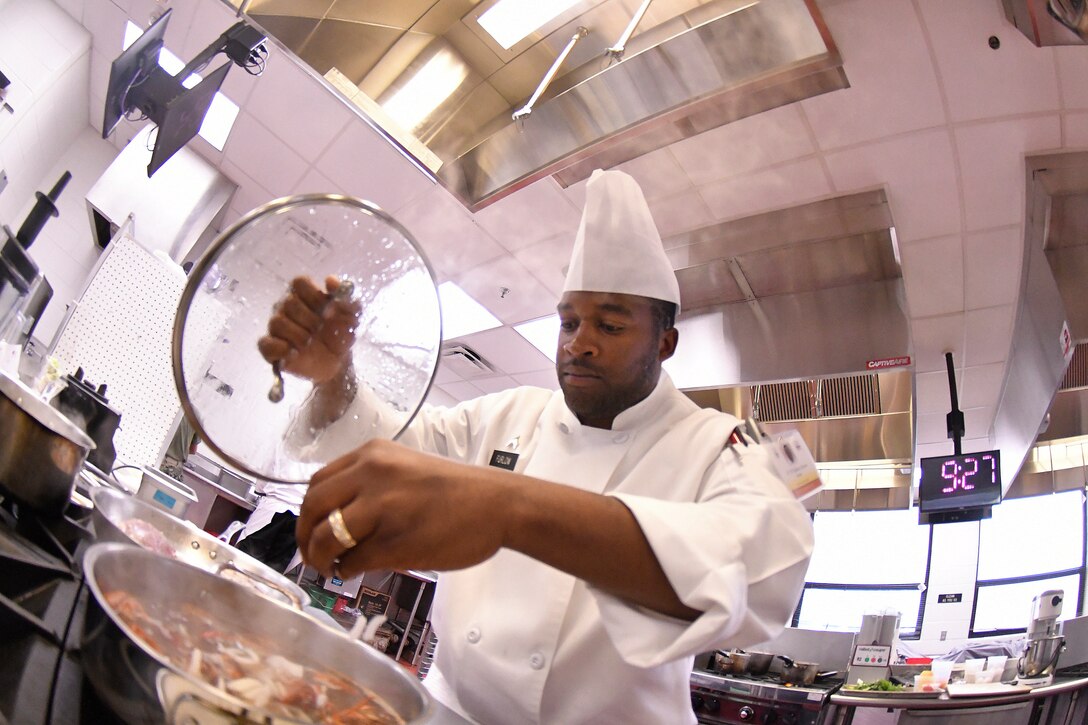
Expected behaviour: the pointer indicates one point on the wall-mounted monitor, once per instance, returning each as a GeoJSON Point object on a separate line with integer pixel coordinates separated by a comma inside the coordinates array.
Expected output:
{"type": "Point", "coordinates": [970, 482]}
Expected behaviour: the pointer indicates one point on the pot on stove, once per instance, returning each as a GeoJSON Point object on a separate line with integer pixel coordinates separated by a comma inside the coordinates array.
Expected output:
{"type": "Point", "coordinates": [798, 673]}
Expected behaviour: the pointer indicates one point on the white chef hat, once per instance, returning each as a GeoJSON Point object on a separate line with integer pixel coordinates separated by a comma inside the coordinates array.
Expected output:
{"type": "Point", "coordinates": [618, 248]}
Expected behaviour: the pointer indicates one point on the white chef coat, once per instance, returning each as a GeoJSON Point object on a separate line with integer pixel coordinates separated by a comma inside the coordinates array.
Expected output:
{"type": "Point", "coordinates": [521, 642]}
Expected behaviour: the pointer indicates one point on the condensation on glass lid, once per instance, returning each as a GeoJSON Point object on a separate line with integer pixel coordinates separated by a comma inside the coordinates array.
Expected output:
{"type": "Point", "coordinates": [225, 383]}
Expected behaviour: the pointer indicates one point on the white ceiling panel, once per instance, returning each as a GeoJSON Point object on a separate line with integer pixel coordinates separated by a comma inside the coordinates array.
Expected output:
{"type": "Point", "coordinates": [106, 22]}
{"type": "Point", "coordinates": [1072, 66]}
{"type": "Point", "coordinates": [542, 379]}
{"type": "Point", "coordinates": [933, 276]}
{"type": "Point", "coordinates": [933, 337]}
{"type": "Point", "coordinates": [548, 260]}
{"type": "Point", "coordinates": [247, 149]}
{"type": "Point", "coordinates": [289, 99]}
{"type": "Point", "coordinates": [508, 351]}
{"type": "Point", "coordinates": [980, 82]}
{"type": "Point", "coordinates": [314, 182]}
{"type": "Point", "coordinates": [538, 211]}
{"type": "Point", "coordinates": [991, 266]}
{"type": "Point", "coordinates": [72, 7]}
{"type": "Point", "coordinates": [936, 448]}
{"type": "Point", "coordinates": [932, 427]}
{"type": "Point", "coordinates": [461, 391]}
{"type": "Point", "coordinates": [449, 237]}
{"type": "Point", "coordinates": [496, 384]}
{"type": "Point", "coordinates": [679, 213]}
{"type": "Point", "coordinates": [992, 162]}
{"type": "Point", "coordinates": [883, 98]}
{"type": "Point", "coordinates": [207, 21]}
{"type": "Point", "coordinates": [933, 391]}
{"type": "Point", "coordinates": [772, 137]}
{"type": "Point", "coordinates": [1075, 130]}
{"type": "Point", "coordinates": [981, 385]}
{"type": "Point", "coordinates": [989, 334]}
{"type": "Point", "coordinates": [918, 172]}
{"type": "Point", "coordinates": [977, 422]}
{"type": "Point", "coordinates": [658, 174]}
{"type": "Point", "coordinates": [248, 196]}
{"type": "Point", "coordinates": [781, 186]}
{"type": "Point", "coordinates": [438, 396]}
{"type": "Point", "coordinates": [364, 164]}
{"type": "Point", "coordinates": [526, 299]}
{"type": "Point", "coordinates": [100, 73]}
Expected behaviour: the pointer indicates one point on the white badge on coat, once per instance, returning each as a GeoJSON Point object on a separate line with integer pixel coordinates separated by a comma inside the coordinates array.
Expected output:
{"type": "Point", "coordinates": [794, 465]}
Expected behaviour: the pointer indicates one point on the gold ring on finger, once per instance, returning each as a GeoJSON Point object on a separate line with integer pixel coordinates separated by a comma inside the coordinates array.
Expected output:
{"type": "Point", "coordinates": [340, 530]}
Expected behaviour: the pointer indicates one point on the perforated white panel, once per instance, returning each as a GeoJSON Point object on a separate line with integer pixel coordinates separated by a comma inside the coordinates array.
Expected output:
{"type": "Point", "coordinates": [120, 335]}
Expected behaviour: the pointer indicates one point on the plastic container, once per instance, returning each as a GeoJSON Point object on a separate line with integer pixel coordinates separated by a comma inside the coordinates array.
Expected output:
{"type": "Point", "coordinates": [995, 668]}
{"type": "Point", "coordinates": [972, 671]}
{"type": "Point", "coordinates": [942, 671]}
{"type": "Point", "coordinates": [168, 494]}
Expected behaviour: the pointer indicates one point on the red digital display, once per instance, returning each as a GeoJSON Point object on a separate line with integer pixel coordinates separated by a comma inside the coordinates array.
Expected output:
{"type": "Point", "coordinates": [970, 480]}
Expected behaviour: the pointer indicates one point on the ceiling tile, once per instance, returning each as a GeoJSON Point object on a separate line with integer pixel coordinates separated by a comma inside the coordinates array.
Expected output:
{"type": "Point", "coordinates": [1072, 69]}
{"type": "Point", "coordinates": [106, 22]}
{"type": "Point", "coordinates": [883, 98]}
{"type": "Point", "coordinates": [248, 196]}
{"type": "Point", "coordinates": [989, 335]}
{"type": "Point", "coordinates": [679, 213]}
{"type": "Point", "coordinates": [526, 299]}
{"type": "Point", "coordinates": [935, 448]}
{"type": "Point", "coordinates": [314, 182]}
{"type": "Point", "coordinates": [981, 385]}
{"type": "Point", "coordinates": [657, 173]}
{"type": "Point", "coordinates": [576, 194]}
{"type": "Point", "coordinates": [1075, 130]}
{"type": "Point", "coordinates": [768, 138]}
{"type": "Point", "coordinates": [933, 337]}
{"type": "Point", "coordinates": [508, 351]}
{"type": "Point", "coordinates": [100, 75]}
{"type": "Point", "coordinates": [452, 242]}
{"type": "Point", "coordinates": [72, 7]}
{"type": "Point", "coordinates": [365, 165]}
{"type": "Point", "coordinates": [260, 155]}
{"type": "Point", "coordinates": [931, 428]}
{"type": "Point", "coordinates": [461, 391]}
{"type": "Point", "coordinates": [298, 109]}
{"type": "Point", "coordinates": [931, 389]}
{"type": "Point", "coordinates": [919, 175]}
{"type": "Point", "coordinates": [543, 379]}
{"type": "Point", "coordinates": [538, 211]}
{"type": "Point", "coordinates": [980, 82]}
{"type": "Point", "coordinates": [206, 22]}
{"type": "Point", "coordinates": [495, 385]}
{"type": "Point", "coordinates": [438, 396]}
{"type": "Point", "coordinates": [977, 422]}
{"type": "Point", "coordinates": [933, 276]}
{"type": "Point", "coordinates": [548, 261]}
{"type": "Point", "coordinates": [992, 161]}
{"type": "Point", "coordinates": [445, 374]}
{"type": "Point", "coordinates": [992, 262]}
{"type": "Point", "coordinates": [782, 186]}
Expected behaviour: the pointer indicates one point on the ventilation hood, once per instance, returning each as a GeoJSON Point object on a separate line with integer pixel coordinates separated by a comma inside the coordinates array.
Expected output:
{"type": "Point", "coordinates": [1049, 22]}
{"type": "Point", "coordinates": [436, 83]}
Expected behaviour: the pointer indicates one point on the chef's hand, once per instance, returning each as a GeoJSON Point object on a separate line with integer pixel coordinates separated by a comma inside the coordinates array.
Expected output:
{"type": "Point", "coordinates": [405, 509]}
{"type": "Point", "coordinates": [311, 332]}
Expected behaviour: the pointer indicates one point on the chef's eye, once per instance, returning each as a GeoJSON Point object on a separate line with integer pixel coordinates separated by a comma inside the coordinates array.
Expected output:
{"type": "Point", "coordinates": [567, 325]}
{"type": "Point", "coordinates": [610, 328]}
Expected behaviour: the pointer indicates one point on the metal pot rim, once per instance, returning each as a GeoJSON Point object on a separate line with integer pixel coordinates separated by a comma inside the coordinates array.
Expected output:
{"type": "Point", "coordinates": [49, 417]}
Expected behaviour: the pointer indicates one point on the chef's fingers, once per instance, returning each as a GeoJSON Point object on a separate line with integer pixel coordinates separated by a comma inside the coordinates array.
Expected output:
{"type": "Point", "coordinates": [324, 548]}
{"type": "Point", "coordinates": [318, 544]}
{"type": "Point", "coordinates": [298, 312]}
{"type": "Point", "coordinates": [273, 349]}
{"type": "Point", "coordinates": [319, 503]}
{"type": "Point", "coordinates": [310, 294]}
{"type": "Point", "coordinates": [340, 305]}
{"type": "Point", "coordinates": [334, 467]}
{"type": "Point", "coordinates": [286, 329]}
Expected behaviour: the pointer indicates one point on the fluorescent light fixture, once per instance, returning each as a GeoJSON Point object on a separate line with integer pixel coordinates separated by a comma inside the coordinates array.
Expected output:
{"type": "Point", "coordinates": [508, 21]}
{"type": "Point", "coordinates": [462, 315]}
{"type": "Point", "coordinates": [219, 119]}
{"type": "Point", "coordinates": [542, 333]}
{"type": "Point", "coordinates": [426, 89]}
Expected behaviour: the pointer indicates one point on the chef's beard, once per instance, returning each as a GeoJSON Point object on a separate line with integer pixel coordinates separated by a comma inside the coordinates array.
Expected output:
{"type": "Point", "coordinates": [609, 400]}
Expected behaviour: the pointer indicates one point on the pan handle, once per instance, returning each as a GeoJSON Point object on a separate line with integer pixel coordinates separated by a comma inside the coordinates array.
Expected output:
{"type": "Point", "coordinates": [788, 662]}
{"type": "Point", "coordinates": [292, 597]}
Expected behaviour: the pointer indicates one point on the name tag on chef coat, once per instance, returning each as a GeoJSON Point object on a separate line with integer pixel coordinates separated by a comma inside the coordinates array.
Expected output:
{"type": "Point", "coordinates": [793, 463]}
{"type": "Point", "coordinates": [503, 459]}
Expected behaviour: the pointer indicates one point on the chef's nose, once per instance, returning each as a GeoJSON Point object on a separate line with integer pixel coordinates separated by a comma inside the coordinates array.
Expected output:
{"type": "Point", "coordinates": [580, 343]}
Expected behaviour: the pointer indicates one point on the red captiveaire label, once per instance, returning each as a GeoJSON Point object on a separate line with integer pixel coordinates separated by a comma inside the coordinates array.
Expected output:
{"type": "Point", "coordinates": [888, 362]}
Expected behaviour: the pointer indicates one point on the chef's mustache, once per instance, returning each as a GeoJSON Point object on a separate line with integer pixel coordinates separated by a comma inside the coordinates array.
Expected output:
{"type": "Point", "coordinates": [577, 365]}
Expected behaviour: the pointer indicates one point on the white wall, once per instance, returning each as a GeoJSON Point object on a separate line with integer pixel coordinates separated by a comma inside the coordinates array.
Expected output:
{"type": "Point", "coordinates": [46, 54]}
{"type": "Point", "coordinates": [954, 564]}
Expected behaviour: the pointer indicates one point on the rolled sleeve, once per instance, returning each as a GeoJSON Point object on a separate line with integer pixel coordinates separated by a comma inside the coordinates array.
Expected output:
{"type": "Point", "coordinates": [739, 555]}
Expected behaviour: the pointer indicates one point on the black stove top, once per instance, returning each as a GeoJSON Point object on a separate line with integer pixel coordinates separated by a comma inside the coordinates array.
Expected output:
{"type": "Point", "coordinates": [42, 603]}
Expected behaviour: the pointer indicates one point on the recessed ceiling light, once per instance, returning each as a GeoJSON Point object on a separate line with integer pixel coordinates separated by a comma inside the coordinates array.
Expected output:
{"type": "Point", "coordinates": [426, 89]}
{"type": "Point", "coordinates": [542, 333]}
{"type": "Point", "coordinates": [508, 21]}
{"type": "Point", "coordinates": [462, 315]}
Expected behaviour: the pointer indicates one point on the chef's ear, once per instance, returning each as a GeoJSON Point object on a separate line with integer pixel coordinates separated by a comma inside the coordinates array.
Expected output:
{"type": "Point", "coordinates": [666, 346]}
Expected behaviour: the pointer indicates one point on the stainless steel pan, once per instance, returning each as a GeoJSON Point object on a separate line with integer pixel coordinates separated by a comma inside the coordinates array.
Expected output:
{"type": "Point", "coordinates": [190, 545]}
{"type": "Point", "coordinates": [41, 451]}
{"type": "Point", "coordinates": [141, 686]}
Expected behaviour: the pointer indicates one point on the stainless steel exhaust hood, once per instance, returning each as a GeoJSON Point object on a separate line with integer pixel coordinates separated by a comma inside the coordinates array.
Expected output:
{"type": "Point", "coordinates": [1049, 22]}
{"type": "Point", "coordinates": [444, 90]}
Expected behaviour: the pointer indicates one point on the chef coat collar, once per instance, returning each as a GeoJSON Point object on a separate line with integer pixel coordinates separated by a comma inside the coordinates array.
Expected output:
{"type": "Point", "coordinates": [633, 417]}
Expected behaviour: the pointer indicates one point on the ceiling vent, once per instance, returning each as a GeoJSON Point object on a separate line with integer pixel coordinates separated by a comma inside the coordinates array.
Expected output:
{"type": "Point", "coordinates": [810, 399]}
{"type": "Point", "coordinates": [465, 362]}
{"type": "Point", "coordinates": [1076, 375]}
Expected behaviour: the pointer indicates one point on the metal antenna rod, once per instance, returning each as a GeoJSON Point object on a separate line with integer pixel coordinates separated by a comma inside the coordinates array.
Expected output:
{"type": "Point", "coordinates": [954, 419]}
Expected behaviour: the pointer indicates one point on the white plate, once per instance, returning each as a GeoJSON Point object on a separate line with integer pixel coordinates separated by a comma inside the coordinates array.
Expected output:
{"type": "Point", "coordinates": [974, 689]}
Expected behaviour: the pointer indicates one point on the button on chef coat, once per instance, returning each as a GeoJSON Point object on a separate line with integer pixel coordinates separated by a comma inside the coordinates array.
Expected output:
{"type": "Point", "coordinates": [707, 513]}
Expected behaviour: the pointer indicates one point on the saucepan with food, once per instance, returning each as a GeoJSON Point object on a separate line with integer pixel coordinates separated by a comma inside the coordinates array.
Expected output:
{"type": "Point", "coordinates": [167, 642]}
{"type": "Point", "coordinates": [125, 519]}
{"type": "Point", "coordinates": [801, 673]}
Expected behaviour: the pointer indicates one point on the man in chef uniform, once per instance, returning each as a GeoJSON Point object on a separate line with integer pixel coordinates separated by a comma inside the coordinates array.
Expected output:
{"type": "Point", "coordinates": [591, 541]}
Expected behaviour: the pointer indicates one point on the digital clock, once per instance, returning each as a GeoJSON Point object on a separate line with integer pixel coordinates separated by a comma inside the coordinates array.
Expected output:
{"type": "Point", "coordinates": [971, 480]}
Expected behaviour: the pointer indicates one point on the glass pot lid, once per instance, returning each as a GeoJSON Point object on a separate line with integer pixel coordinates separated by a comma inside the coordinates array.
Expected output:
{"type": "Point", "coordinates": [225, 385]}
